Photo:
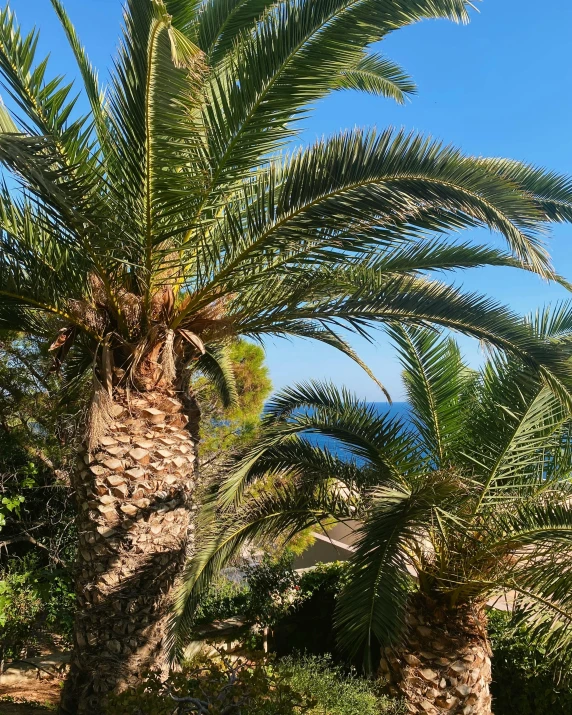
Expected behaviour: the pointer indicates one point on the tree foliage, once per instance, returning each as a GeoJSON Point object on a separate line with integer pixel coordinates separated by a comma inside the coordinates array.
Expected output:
{"type": "Point", "coordinates": [37, 437]}
{"type": "Point", "coordinates": [525, 681]}
{"type": "Point", "coordinates": [472, 498]}
{"type": "Point", "coordinates": [37, 531]}
{"type": "Point", "coordinates": [169, 219]}
{"type": "Point", "coordinates": [226, 429]}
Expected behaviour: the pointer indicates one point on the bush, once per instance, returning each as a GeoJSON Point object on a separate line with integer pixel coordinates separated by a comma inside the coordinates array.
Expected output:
{"type": "Point", "coordinates": [525, 681]}
{"type": "Point", "coordinates": [34, 601]}
{"type": "Point", "coordinates": [19, 610]}
{"type": "Point", "coordinates": [274, 589]}
{"type": "Point", "coordinates": [293, 685]}
{"type": "Point", "coordinates": [324, 578]}
{"type": "Point", "coordinates": [309, 628]}
{"type": "Point", "coordinates": [335, 692]}
{"type": "Point", "coordinates": [224, 599]}
{"type": "Point", "coordinates": [271, 591]}
{"type": "Point", "coordinates": [219, 687]}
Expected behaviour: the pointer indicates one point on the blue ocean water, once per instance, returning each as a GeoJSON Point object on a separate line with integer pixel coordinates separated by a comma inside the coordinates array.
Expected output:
{"type": "Point", "coordinates": [397, 409]}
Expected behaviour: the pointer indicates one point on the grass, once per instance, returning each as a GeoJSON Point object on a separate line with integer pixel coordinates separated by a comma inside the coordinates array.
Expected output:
{"type": "Point", "coordinates": [336, 692]}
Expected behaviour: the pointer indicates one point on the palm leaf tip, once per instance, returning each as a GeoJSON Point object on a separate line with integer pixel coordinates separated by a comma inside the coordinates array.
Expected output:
{"type": "Point", "coordinates": [377, 75]}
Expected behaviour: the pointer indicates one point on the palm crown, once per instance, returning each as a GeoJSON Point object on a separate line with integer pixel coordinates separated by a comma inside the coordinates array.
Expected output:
{"type": "Point", "coordinates": [471, 495]}
{"type": "Point", "coordinates": [166, 220]}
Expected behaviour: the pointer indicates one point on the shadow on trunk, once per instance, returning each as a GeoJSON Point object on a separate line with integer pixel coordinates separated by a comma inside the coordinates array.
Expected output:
{"type": "Point", "coordinates": [121, 635]}
{"type": "Point", "coordinates": [444, 665]}
{"type": "Point", "coordinates": [135, 502]}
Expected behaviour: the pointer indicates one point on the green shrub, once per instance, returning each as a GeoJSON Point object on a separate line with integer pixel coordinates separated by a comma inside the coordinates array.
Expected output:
{"type": "Point", "coordinates": [271, 591]}
{"type": "Point", "coordinates": [309, 627]}
{"type": "Point", "coordinates": [217, 686]}
{"type": "Point", "coordinates": [33, 600]}
{"type": "Point", "coordinates": [224, 599]}
{"type": "Point", "coordinates": [20, 606]}
{"type": "Point", "coordinates": [324, 578]}
{"type": "Point", "coordinates": [335, 692]}
{"type": "Point", "coordinates": [56, 589]}
{"type": "Point", "coordinates": [291, 686]}
{"type": "Point", "coordinates": [525, 681]}
{"type": "Point", "coordinates": [274, 589]}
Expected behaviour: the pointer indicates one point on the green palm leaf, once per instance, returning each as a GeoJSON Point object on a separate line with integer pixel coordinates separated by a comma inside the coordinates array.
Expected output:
{"type": "Point", "coordinates": [437, 382]}
{"type": "Point", "coordinates": [87, 71]}
{"type": "Point", "coordinates": [216, 365]}
{"type": "Point", "coordinates": [379, 441]}
{"type": "Point", "coordinates": [472, 504]}
{"type": "Point", "coordinates": [373, 604]}
{"type": "Point", "coordinates": [551, 191]}
{"type": "Point", "coordinates": [377, 75]}
{"type": "Point", "coordinates": [289, 508]}
{"type": "Point", "coordinates": [221, 24]}
{"type": "Point", "coordinates": [294, 57]}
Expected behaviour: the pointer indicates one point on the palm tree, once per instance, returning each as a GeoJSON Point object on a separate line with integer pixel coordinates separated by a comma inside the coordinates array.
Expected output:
{"type": "Point", "coordinates": [141, 238]}
{"type": "Point", "coordinates": [465, 504]}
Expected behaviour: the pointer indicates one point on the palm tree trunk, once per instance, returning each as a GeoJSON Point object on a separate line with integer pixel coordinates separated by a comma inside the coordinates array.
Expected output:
{"type": "Point", "coordinates": [134, 497]}
{"type": "Point", "coordinates": [445, 664]}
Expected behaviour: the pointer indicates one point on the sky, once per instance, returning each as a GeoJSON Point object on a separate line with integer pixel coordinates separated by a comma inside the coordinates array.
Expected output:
{"type": "Point", "coordinates": [500, 86]}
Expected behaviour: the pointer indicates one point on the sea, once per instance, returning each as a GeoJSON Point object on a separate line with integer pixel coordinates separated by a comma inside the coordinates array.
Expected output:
{"type": "Point", "coordinates": [396, 409]}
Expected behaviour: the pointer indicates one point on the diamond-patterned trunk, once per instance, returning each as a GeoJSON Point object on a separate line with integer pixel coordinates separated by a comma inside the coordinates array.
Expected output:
{"type": "Point", "coordinates": [445, 664]}
{"type": "Point", "coordinates": [134, 495]}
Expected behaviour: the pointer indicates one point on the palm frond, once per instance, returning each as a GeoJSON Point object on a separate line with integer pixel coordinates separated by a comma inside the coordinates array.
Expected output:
{"type": "Point", "coordinates": [153, 115]}
{"type": "Point", "coordinates": [551, 191]}
{"type": "Point", "coordinates": [54, 155]}
{"type": "Point", "coordinates": [328, 336]}
{"type": "Point", "coordinates": [45, 106]}
{"type": "Point", "coordinates": [540, 536]}
{"type": "Point", "coordinates": [368, 191]}
{"type": "Point", "coordinates": [375, 74]}
{"type": "Point", "coordinates": [294, 57]}
{"type": "Point", "coordinates": [436, 381]}
{"type": "Point", "coordinates": [552, 322]}
{"type": "Point", "coordinates": [422, 302]}
{"type": "Point", "coordinates": [223, 22]}
{"type": "Point", "coordinates": [185, 16]}
{"type": "Point", "coordinates": [371, 607]}
{"type": "Point", "coordinates": [513, 435]}
{"type": "Point", "coordinates": [291, 455]}
{"type": "Point", "coordinates": [284, 511]}
{"type": "Point", "coordinates": [38, 271]}
{"type": "Point", "coordinates": [7, 124]}
{"type": "Point", "coordinates": [359, 431]}
{"type": "Point", "coordinates": [216, 365]}
{"type": "Point", "coordinates": [87, 72]}
{"type": "Point", "coordinates": [437, 254]}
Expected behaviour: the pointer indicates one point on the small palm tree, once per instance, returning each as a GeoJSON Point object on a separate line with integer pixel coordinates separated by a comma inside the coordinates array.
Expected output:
{"type": "Point", "coordinates": [467, 504]}
{"type": "Point", "coordinates": [141, 238]}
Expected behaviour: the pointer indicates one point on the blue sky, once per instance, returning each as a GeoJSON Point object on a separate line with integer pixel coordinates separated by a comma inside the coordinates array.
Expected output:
{"type": "Point", "coordinates": [500, 86]}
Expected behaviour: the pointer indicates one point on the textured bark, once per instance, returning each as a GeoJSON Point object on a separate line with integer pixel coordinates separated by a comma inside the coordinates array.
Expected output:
{"type": "Point", "coordinates": [445, 664]}
{"type": "Point", "coordinates": [135, 502]}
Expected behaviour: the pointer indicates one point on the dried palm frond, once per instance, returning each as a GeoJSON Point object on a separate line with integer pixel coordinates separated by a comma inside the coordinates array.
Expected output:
{"type": "Point", "coordinates": [100, 415]}
{"type": "Point", "coordinates": [168, 357]}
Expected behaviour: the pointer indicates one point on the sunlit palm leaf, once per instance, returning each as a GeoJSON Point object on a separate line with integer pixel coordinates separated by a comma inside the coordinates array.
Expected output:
{"type": "Point", "coordinates": [288, 509]}
{"type": "Point", "coordinates": [216, 365]}
{"type": "Point", "coordinates": [436, 381]}
{"type": "Point", "coordinates": [374, 74]}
